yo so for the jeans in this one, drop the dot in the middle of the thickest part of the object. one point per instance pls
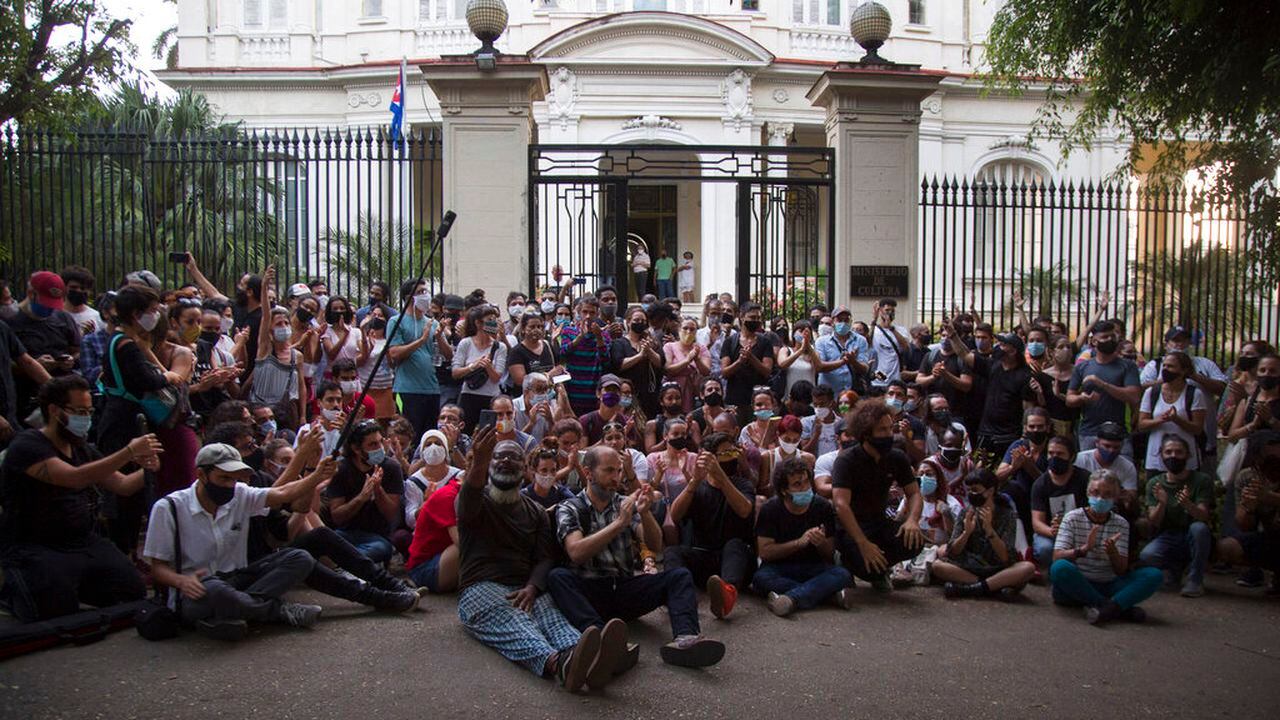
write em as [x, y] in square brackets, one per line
[884, 535]
[808, 584]
[587, 602]
[421, 411]
[427, 574]
[666, 289]
[41, 582]
[642, 283]
[252, 592]
[1042, 547]
[325, 542]
[372, 545]
[1175, 549]
[1071, 587]
[733, 563]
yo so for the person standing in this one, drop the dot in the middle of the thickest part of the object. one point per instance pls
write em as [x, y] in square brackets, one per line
[479, 362]
[47, 331]
[640, 264]
[416, 341]
[889, 345]
[584, 350]
[843, 355]
[1103, 386]
[746, 362]
[664, 273]
[685, 278]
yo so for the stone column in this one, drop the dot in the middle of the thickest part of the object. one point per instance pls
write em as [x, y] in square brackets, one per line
[487, 120]
[873, 118]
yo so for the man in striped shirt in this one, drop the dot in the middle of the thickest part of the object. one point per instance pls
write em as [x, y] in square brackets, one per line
[1091, 559]
[584, 349]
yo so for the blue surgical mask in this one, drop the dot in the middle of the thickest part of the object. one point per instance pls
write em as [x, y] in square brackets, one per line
[79, 425]
[627, 401]
[802, 499]
[928, 484]
[377, 456]
[1100, 506]
[40, 311]
[1107, 456]
[282, 334]
[764, 414]
[269, 426]
[1035, 349]
[550, 397]
[843, 328]
[894, 405]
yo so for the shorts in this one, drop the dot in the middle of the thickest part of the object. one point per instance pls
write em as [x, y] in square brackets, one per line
[427, 574]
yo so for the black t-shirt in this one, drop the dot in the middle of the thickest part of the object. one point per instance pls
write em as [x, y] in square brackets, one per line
[711, 522]
[1006, 389]
[869, 480]
[532, 361]
[1053, 499]
[347, 483]
[11, 349]
[266, 532]
[1057, 406]
[958, 401]
[645, 378]
[55, 335]
[39, 512]
[777, 522]
[738, 386]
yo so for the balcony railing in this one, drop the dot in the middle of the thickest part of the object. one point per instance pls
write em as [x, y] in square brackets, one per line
[264, 49]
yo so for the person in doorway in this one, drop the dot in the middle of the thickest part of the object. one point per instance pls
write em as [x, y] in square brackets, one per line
[664, 270]
[685, 278]
[640, 264]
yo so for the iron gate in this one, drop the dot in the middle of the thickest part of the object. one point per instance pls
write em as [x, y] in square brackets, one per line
[584, 221]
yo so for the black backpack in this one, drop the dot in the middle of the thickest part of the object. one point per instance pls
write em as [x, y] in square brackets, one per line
[1188, 399]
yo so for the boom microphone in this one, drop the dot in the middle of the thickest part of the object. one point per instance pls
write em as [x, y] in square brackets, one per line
[446, 224]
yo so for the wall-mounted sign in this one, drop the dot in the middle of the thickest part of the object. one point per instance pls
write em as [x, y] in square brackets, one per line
[877, 281]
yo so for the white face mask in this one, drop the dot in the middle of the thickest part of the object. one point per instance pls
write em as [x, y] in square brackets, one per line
[349, 387]
[822, 413]
[434, 454]
[503, 426]
[329, 415]
[548, 307]
[227, 325]
[149, 321]
[825, 330]
[788, 447]
[422, 302]
[544, 481]
[515, 311]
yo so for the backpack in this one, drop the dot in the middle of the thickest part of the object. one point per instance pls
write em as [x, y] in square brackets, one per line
[1188, 399]
[155, 620]
[162, 407]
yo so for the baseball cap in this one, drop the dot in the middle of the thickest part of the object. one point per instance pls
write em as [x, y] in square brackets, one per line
[1177, 331]
[50, 290]
[609, 379]
[1014, 340]
[840, 310]
[1111, 431]
[298, 290]
[222, 456]
[144, 277]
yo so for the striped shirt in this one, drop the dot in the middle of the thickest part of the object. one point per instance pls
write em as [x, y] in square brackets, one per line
[585, 363]
[1074, 533]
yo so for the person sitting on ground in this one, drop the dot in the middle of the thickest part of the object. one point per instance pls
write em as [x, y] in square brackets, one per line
[539, 405]
[544, 490]
[506, 548]
[1105, 455]
[597, 528]
[714, 512]
[938, 515]
[362, 502]
[432, 560]
[1062, 488]
[1091, 559]
[823, 465]
[504, 423]
[908, 432]
[348, 378]
[819, 429]
[433, 470]
[1256, 541]
[789, 431]
[218, 589]
[952, 458]
[52, 558]
[795, 535]
[1025, 461]
[1178, 502]
[980, 558]
[871, 543]
[609, 410]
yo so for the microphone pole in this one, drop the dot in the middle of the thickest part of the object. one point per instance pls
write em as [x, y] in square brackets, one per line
[446, 224]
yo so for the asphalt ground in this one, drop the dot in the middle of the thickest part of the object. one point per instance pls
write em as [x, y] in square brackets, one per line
[911, 654]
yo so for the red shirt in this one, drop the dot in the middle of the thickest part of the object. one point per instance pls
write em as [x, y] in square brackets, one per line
[431, 532]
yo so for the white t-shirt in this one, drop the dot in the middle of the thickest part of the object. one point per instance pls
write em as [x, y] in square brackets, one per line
[467, 353]
[887, 359]
[640, 262]
[1122, 466]
[87, 314]
[685, 274]
[825, 463]
[640, 464]
[827, 440]
[1154, 462]
[1206, 367]
[413, 495]
[349, 349]
[930, 521]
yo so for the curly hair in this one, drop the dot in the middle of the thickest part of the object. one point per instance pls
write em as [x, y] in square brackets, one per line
[865, 416]
[785, 470]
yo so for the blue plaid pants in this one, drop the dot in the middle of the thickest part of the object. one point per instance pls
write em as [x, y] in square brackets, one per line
[524, 638]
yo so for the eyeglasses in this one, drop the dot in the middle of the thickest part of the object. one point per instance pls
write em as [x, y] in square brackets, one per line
[82, 412]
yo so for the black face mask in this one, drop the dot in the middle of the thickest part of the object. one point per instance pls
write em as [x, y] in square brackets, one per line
[714, 399]
[977, 499]
[77, 297]
[672, 410]
[943, 417]
[332, 316]
[1269, 382]
[210, 337]
[680, 443]
[1108, 347]
[753, 325]
[1175, 465]
[1246, 363]
[304, 315]
[729, 467]
[639, 328]
[1037, 437]
[950, 456]
[374, 301]
[846, 444]
[377, 324]
[254, 459]
[1169, 376]
[218, 494]
[1059, 466]
[726, 319]
[881, 445]
[242, 298]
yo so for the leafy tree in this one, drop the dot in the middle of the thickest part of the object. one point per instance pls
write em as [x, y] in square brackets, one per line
[1051, 291]
[376, 249]
[1195, 81]
[165, 46]
[46, 79]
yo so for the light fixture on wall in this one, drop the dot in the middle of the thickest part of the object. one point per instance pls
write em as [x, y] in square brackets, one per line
[487, 20]
[870, 23]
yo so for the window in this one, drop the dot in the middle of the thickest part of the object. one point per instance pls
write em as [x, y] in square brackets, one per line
[650, 4]
[609, 6]
[816, 12]
[1007, 220]
[372, 8]
[833, 12]
[915, 12]
[266, 14]
[751, 5]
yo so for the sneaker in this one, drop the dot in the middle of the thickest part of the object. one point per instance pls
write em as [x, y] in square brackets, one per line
[1103, 614]
[1009, 594]
[613, 645]
[1192, 590]
[572, 666]
[224, 630]
[1134, 614]
[692, 651]
[629, 660]
[298, 614]
[722, 595]
[881, 584]
[844, 598]
[901, 579]
[1252, 578]
[780, 605]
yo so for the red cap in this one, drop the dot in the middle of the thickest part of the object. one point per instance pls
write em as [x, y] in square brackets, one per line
[50, 290]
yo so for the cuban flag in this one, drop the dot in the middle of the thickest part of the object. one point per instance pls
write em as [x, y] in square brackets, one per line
[397, 110]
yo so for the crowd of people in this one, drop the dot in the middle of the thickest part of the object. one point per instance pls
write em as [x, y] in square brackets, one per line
[566, 462]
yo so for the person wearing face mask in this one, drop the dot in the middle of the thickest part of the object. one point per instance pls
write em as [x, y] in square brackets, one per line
[1105, 455]
[953, 460]
[714, 512]
[338, 336]
[79, 284]
[362, 502]
[746, 361]
[14, 355]
[609, 409]
[909, 434]
[541, 485]
[1103, 387]
[418, 343]
[213, 576]
[638, 357]
[1203, 374]
[539, 405]
[1174, 406]
[673, 465]
[431, 470]
[348, 378]
[818, 431]
[843, 355]
[686, 362]
[871, 543]
[379, 294]
[47, 331]
[598, 529]
[432, 560]
[800, 358]
[795, 534]
[981, 559]
[948, 371]
[789, 431]
[888, 344]
[1260, 410]
[1061, 489]
[1010, 389]
[1054, 377]
[1024, 462]
[479, 362]
[1091, 559]
[373, 340]
[53, 476]
[712, 407]
[1243, 381]
[1178, 515]
[506, 548]
[1254, 540]
[533, 353]
[215, 378]
[937, 517]
[505, 424]
[670, 408]
[713, 333]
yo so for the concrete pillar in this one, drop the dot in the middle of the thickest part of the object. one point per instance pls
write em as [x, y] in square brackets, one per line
[487, 120]
[872, 122]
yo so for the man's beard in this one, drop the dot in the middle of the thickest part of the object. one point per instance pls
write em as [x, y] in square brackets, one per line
[504, 488]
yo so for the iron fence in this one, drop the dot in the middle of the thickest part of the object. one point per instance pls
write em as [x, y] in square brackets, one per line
[1161, 254]
[348, 207]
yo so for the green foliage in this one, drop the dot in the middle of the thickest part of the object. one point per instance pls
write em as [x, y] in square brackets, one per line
[800, 294]
[1050, 290]
[54, 57]
[377, 250]
[1194, 80]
